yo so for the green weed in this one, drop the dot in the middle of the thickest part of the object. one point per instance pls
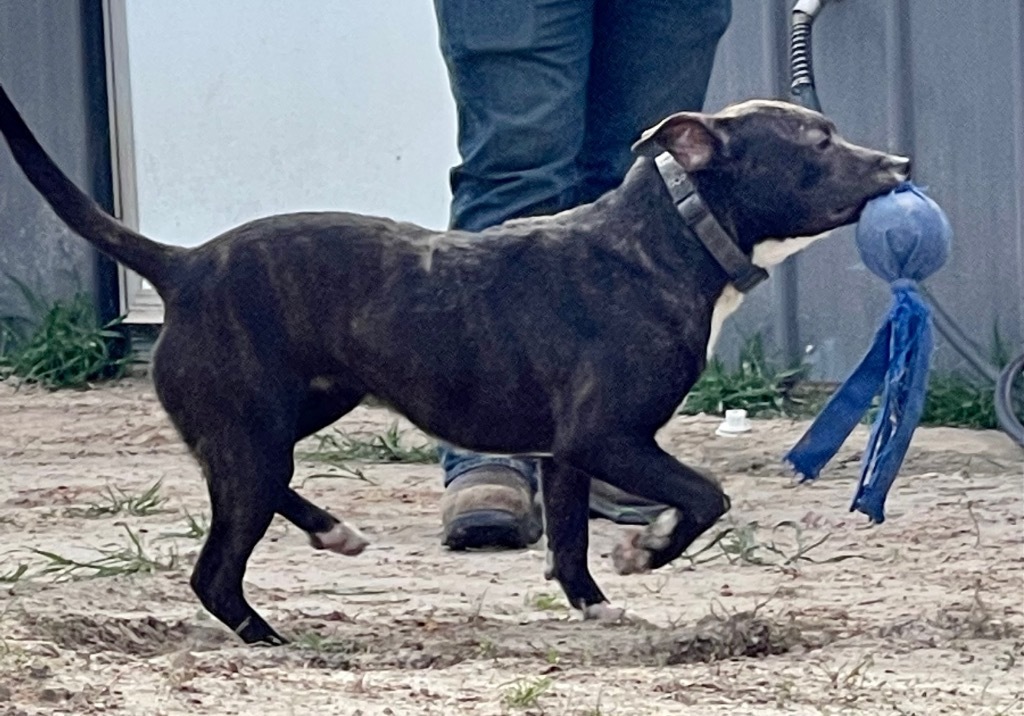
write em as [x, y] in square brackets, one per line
[130, 559]
[195, 528]
[755, 386]
[63, 346]
[117, 502]
[547, 602]
[340, 447]
[14, 575]
[745, 544]
[955, 401]
[524, 693]
[321, 644]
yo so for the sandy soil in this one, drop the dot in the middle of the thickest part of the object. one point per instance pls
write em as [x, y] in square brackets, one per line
[799, 608]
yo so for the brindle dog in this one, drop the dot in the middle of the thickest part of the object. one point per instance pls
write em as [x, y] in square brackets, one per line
[572, 337]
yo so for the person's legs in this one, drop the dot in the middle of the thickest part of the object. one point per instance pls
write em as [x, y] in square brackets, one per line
[518, 72]
[550, 95]
[650, 58]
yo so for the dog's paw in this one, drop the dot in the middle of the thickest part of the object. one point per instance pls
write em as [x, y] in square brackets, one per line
[630, 557]
[604, 612]
[341, 539]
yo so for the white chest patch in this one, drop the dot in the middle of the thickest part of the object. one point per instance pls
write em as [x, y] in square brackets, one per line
[768, 253]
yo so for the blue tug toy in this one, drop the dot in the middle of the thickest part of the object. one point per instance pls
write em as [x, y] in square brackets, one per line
[903, 237]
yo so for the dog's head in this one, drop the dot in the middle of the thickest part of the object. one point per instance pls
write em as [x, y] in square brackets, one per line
[774, 169]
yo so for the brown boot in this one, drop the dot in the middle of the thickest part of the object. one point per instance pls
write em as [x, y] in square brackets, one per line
[489, 506]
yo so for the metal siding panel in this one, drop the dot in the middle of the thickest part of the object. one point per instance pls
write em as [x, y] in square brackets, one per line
[965, 134]
[45, 68]
[747, 66]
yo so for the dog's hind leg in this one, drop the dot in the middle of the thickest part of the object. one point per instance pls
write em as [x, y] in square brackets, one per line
[245, 474]
[565, 493]
[325, 531]
[327, 399]
[639, 466]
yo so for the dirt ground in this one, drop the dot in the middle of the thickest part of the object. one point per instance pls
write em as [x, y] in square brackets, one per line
[798, 608]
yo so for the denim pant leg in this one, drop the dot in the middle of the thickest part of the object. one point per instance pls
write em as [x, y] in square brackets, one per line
[518, 72]
[651, 58]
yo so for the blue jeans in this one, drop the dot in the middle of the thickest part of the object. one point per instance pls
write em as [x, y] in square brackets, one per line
[550, 94]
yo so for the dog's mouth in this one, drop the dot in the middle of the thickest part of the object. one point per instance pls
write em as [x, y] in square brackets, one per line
[847, 214]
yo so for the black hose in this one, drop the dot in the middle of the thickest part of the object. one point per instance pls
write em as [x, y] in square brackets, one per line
[955, 336]
[800, 63]
[1005, 403]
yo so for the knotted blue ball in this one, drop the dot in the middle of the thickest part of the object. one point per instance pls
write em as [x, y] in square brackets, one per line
[903, 235]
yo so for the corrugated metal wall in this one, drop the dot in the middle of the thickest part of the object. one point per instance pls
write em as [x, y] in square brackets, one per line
[52, 65]
[941, 80]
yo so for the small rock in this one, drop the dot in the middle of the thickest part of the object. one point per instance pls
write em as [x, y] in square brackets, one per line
[39, 672]
[54, 695]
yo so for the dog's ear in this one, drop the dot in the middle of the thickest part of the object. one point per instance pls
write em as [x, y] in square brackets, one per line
[691, 138]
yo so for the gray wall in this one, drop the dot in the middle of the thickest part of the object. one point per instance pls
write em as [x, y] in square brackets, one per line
[52, 65]
[941, 80]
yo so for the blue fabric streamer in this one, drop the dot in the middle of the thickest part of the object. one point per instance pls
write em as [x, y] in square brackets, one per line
[903, 237]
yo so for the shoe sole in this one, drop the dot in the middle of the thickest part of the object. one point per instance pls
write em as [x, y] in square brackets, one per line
[480, 529]
[638, 515]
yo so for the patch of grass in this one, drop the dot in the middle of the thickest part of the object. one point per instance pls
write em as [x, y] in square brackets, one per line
[955, 401]
[117, 502]
[755, 386]
[195, 528]
[321, 644]
[340, 447]
[524, 693]
[545, 601]
[64, 346]
[129, 559]
[762, 389]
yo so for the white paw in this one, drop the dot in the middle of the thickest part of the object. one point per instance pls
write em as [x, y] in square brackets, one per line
[341, 539]
[604, 612]
[629, 557]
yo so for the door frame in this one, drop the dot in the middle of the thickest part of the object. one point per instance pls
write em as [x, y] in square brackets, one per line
[139, 302]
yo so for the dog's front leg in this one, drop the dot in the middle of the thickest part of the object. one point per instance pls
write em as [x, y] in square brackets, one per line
[565, 492]
[639, 466]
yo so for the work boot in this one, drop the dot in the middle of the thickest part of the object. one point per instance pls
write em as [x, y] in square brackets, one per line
[489, 506]
[620, 506]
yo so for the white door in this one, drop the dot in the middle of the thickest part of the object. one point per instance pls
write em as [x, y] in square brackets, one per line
[231, 110]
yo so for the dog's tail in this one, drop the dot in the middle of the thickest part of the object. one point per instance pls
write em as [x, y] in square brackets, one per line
[152, 260]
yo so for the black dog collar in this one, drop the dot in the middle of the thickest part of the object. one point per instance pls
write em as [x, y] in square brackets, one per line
[743, 273]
